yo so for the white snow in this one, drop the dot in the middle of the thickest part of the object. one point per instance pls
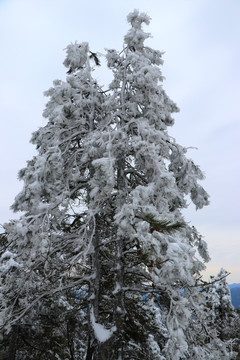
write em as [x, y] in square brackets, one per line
[117, 288]
[101, 333]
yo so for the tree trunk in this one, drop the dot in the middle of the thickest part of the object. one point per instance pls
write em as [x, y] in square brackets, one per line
[13, 342]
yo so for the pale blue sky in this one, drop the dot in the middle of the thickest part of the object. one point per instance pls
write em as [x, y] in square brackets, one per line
[201, 42]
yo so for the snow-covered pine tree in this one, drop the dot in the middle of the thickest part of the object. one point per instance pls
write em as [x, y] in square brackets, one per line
[55, 231]
[218, 299]
[221, 316]
[102, 238]
[213, 326]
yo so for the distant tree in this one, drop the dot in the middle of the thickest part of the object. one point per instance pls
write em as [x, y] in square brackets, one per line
[218, 299]
[102, 243]
[220, 313]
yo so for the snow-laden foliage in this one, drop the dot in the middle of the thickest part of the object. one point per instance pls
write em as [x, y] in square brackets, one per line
[220, 312]
[101, 239]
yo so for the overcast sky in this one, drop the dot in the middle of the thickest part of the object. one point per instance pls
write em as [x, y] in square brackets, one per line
[201, 40]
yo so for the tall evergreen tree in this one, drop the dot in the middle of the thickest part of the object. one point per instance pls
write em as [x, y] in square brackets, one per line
[218, 298]
[221, 315]
[102, 240]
